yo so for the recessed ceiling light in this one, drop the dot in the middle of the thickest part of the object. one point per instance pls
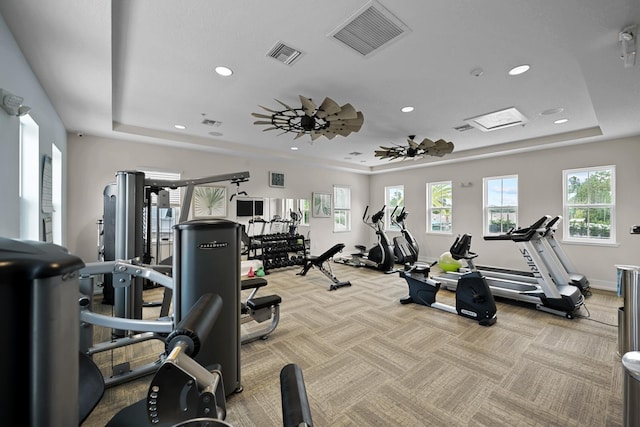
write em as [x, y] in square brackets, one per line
[294, 148]
[224, 71]
[561, 121]
[407, 109]
[181, 127]
[519, 70]
[551, 111]
[477, 72]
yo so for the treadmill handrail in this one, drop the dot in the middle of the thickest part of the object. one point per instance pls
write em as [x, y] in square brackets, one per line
[521, 234]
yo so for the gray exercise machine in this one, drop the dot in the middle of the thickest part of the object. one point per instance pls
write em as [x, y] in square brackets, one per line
[206, 259]
[380, 256]
[547, 288]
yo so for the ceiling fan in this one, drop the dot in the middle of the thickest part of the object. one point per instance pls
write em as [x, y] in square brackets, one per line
[416, 150]
[328, 120]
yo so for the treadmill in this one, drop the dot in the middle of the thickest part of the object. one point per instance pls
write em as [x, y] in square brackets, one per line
[555, 258]
[545, 286]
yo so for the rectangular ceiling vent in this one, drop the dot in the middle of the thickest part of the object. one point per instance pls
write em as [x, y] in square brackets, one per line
[283, 53]
[498, 120]
[463, 128]
[370, 28]
[209, 122]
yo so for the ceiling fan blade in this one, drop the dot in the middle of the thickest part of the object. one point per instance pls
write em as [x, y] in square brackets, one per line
[299, 134]
[426, 143]
[261, 116]
[412, 143]
[262, 122]
[327, 108]
[268, 109]
[315, 135]
[308, 106]
[342, 131]
[270, 128]
[285, 105]
[346, 112]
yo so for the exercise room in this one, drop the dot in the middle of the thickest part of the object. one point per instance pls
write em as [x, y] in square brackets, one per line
[309, 214]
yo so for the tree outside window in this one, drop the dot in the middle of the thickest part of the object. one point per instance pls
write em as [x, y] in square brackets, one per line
[500, 204]
[439, 207]
[589, 204]
[393, 197]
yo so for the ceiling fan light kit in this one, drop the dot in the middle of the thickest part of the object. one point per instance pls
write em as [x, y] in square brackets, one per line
[328, 120]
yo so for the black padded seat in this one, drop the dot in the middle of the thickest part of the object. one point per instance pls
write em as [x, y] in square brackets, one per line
[264, 302]
[253, 283]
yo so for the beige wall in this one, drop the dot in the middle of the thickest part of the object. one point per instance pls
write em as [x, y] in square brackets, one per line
[94, 162]
[540, 193]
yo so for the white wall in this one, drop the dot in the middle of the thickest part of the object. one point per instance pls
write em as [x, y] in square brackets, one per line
[540, 193]
[94, 162]
[16, 77]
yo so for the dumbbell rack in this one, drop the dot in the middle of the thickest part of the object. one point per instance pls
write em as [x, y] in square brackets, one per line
[278, 250]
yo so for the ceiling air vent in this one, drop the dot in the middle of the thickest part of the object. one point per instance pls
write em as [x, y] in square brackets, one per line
[210, 122]
[285, 54]
[370, 28]
[463, 128]
[498, 120]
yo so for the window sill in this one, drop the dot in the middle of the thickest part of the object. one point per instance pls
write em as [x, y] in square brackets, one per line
[590, 243]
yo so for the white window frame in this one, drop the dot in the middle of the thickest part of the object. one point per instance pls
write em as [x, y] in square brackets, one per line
[566, 206]
[341, 208]
[390, 206]
[486, 227]
[431, 208]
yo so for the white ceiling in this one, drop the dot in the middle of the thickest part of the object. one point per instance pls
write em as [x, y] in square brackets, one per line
[132, 69]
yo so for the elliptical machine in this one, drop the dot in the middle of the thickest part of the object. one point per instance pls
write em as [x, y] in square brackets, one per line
[405, 246]
[473, 295]
[379, 256]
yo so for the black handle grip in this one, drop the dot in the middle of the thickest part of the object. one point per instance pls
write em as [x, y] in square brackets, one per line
[295, 406]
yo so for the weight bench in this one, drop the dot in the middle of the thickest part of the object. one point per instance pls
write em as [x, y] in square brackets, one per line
[259, 309]
[320, 261]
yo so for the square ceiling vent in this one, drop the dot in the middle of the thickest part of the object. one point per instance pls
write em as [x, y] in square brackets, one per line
[498, 120]
[283, 53]
[369, 29]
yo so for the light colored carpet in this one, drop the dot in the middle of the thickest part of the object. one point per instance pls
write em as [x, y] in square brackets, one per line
[368, 360]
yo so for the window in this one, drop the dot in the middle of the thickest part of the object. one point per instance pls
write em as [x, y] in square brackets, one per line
[500, 204]
[439, 207]
[304, 206]
[56, 193]
[341, 208]
[589, 204]
[393, 197]
[163, 219]
[29, 186]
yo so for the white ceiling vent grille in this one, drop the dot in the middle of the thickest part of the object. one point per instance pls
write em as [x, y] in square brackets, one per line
[283, 53]
[370, 28]
[463, 128]
[209, 122]
[498, 120]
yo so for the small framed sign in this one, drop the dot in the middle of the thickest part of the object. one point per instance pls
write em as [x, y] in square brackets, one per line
[276, 179]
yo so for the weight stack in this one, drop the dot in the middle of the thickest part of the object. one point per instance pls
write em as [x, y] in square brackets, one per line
[208, 261]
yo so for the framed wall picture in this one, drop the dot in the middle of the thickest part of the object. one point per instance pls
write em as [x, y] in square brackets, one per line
[321, 205]
[209, 201]
[276, 179]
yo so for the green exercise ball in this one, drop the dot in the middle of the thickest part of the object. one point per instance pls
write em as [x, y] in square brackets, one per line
[447, 263]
